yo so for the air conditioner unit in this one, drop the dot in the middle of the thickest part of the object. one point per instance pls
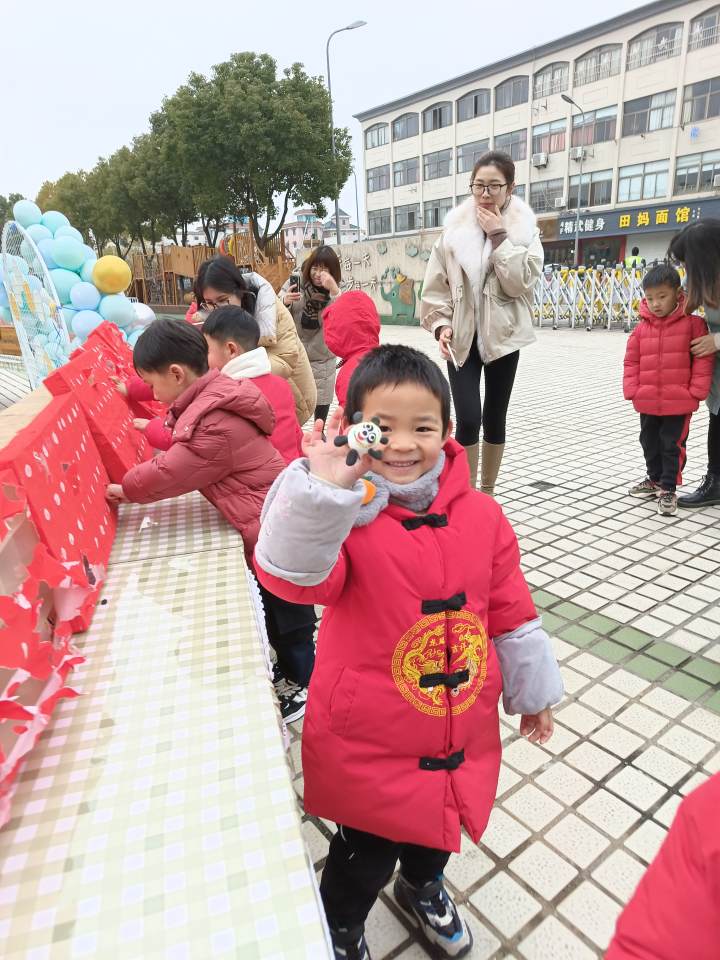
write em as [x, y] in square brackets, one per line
[539, 159]
[577, 153]
[559, 203]
[716, 181]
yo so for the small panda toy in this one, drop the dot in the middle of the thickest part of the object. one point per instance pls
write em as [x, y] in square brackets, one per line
[364, 436]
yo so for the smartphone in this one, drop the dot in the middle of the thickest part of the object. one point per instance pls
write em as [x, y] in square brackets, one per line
[294, 284]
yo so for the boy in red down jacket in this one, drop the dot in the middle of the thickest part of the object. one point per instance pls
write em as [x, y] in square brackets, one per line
[221, 447]
[232, 336]
[351, 328]
[665, 383]
[427, 620]
[675, 912]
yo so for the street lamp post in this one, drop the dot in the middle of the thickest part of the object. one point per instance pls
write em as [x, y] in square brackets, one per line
[572, 103]
[351, 26]
[357, 207]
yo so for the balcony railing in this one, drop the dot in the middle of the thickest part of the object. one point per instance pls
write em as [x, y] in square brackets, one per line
[660, 51]
[598, 71]
[705, 37]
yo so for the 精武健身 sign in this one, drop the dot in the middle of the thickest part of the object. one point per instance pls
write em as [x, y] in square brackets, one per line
[648, 219]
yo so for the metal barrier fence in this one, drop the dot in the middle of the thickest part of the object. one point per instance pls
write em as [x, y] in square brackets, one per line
[595, 297]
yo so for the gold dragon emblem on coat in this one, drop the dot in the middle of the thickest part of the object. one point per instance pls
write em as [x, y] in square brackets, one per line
[442, 643]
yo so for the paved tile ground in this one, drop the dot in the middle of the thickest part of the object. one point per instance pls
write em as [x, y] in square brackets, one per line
[632, 601]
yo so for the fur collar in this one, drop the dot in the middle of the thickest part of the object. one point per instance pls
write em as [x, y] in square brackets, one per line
[463, 236]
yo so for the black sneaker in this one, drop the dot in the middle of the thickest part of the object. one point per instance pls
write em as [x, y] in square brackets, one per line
[277, 675]
[433, 910]
[350, 944]
[293, 699]
[706, 495]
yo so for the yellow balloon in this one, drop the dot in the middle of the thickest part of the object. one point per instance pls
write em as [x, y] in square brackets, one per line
[111, 275]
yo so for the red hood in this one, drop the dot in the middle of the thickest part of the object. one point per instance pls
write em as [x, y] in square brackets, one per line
[351, 325]
[678, 312]
[215, 391]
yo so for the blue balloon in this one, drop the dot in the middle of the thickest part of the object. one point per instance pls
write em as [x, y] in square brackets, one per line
[85, 296]
[23, 266]
[35, 283]
[87, 271]
[84, 322]
[89, 253]
[68, 314]
[68, 231]
[132, 338]
[5, 315]
[26, 213]
[54, 219]
[118, 309]
[68, 252]
[64, 281]
[4, 302]
[45, 247]
[37, 232]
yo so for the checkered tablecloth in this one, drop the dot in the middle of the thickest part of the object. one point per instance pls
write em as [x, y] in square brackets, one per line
[156, 816]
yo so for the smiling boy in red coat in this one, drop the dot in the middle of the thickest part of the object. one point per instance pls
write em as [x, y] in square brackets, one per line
[427, 620]
[665, 383]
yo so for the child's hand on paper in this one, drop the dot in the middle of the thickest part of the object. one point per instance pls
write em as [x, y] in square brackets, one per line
[140, 424]
[120, 386]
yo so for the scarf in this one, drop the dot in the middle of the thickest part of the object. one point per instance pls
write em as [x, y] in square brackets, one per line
[416, 496]
[316, 299]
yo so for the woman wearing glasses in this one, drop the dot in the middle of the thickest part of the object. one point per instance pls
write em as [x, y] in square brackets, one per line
[477, 300]
[219, 282]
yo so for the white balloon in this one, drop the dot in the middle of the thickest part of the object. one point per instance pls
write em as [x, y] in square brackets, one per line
[144, 314]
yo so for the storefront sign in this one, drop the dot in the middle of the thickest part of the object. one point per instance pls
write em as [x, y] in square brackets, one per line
[665, 216]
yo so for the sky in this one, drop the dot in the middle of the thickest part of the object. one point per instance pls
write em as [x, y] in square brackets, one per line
[88, 75]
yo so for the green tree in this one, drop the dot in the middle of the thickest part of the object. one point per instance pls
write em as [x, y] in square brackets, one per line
[6, 207]
[159, 189]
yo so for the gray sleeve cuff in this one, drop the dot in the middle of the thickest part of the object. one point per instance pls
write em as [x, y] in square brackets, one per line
[530, 673]
[305, 521]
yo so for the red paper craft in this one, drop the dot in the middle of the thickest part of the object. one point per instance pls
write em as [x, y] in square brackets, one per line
[88, 376]
[33, 665]
[119, 352]
[57, 465]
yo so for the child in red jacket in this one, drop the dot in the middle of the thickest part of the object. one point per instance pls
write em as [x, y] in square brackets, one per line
[232, 336]
[351, 328]
[665, 383]
[427, 620]
[220, 446]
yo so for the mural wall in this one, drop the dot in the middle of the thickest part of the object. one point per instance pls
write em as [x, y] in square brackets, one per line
[390, 271]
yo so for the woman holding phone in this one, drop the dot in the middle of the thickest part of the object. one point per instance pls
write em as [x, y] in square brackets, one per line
[477, 301]
[306, 296]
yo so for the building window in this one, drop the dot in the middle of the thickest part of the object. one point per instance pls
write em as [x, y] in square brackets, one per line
[544, 194]
[594, 126]
[549, 137]
[598, 64]
[408, 125]
[512, 92]
[596, 189]
[695, 173]
[519, 190]
[379, 221]
[705, 30]
[514, 143]
[406, 171]
[407, 217]
[643, 181]
[701, 100]
[461, 196]
[469, 153]
[551, 79]
[658, 43]
[474, 104]
[435, 212]
[438, 116]
[378, 178]
[376, 136]
[438, 164]
[649, 113]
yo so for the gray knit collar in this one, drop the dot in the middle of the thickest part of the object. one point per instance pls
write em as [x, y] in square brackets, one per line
[416, 496]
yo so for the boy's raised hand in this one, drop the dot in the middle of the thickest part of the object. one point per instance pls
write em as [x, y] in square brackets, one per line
[328, 461]
[537, 727]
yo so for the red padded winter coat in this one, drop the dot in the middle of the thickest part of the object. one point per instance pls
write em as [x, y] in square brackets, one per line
[675, 912]
[402, 594]
[351, 327]
[221, 448]
[661, 376]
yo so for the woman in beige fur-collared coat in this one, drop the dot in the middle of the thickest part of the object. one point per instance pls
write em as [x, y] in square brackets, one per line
[477, 301]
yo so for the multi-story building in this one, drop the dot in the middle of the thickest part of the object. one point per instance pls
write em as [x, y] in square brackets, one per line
[305, 230]
[639, 150]
[348, 230]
